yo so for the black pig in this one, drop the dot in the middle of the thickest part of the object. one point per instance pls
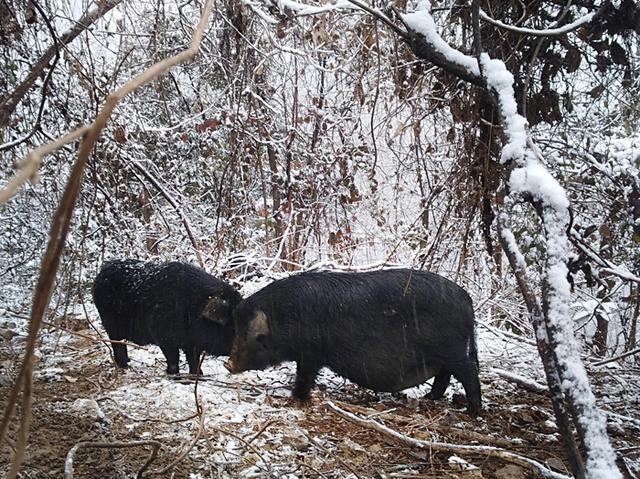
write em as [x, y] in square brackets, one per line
[174, 305]
[385, 330]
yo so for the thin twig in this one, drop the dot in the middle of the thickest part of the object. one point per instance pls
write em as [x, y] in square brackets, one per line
[186, 450]
[550, 32]
[525, 383]
[45, 84]
[30, 165]
[200, 414]
[64, 211]
[246, 443]
[68, 463]
[176, 206]
[380, 16]
[262, 429]
[316, 443]
[94, 339]
[9, 103]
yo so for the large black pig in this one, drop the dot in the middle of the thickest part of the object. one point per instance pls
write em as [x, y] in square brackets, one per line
[174, 305]
[385, 330]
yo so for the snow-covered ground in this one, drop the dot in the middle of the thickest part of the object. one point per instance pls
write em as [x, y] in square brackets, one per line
[249, 426]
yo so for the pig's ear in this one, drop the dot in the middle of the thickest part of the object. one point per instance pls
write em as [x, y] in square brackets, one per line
[217, 310]
[259, 325]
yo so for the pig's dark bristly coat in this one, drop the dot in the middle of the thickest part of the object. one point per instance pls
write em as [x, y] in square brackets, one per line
[174, 305]
[386, 330]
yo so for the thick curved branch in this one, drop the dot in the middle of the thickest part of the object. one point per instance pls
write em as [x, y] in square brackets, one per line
[29, 166]
[550, 32]
[64, 213]
[427, 44]
[498, 452]
[9, 103]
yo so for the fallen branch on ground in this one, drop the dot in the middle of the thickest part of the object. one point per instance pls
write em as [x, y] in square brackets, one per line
[68, 463]
[316, 442]
[200, 414]
[62, 219]
[397, 437]
[143, 419]
[524, 383]
[621, 417]
[616, 358]
[186, 450]
[262, 429]
[248, 445]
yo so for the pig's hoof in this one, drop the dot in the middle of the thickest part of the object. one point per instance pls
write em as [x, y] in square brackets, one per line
[473, 411]
[301, 396]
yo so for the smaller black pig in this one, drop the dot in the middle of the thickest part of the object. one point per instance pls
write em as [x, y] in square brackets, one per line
[385, 330]
[174, 305]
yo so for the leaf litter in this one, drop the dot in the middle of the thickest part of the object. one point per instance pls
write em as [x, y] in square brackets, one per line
[250, 427]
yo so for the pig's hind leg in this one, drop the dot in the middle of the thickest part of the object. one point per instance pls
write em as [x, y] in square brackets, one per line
[193, 359]
[467, 373]
[120, 354]
[172, 354]
[440, 384]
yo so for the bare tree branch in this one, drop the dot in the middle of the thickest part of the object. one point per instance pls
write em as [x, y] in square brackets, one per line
[10, 102]
[45, 84]
[616, 358]
[550, 32]
[607, 266]
[556, 344]
[176, 206]
[64, 212]
[29, 166]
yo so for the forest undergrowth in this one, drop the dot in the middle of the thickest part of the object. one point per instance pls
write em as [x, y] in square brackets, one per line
[248, 426]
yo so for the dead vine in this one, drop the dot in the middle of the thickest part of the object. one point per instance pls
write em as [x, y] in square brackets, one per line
[68, 463]
[60, 226]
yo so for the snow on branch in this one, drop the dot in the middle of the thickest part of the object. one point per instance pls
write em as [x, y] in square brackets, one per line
[606, 265]
[548, 32]
[617, 358]
[525, 383]
[426, 43]
[30, 165]
[297, 9]
[530, 180]
[301, 9]
[60, 228]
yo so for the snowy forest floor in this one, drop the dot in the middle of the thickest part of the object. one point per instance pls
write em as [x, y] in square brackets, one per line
[249, 427]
